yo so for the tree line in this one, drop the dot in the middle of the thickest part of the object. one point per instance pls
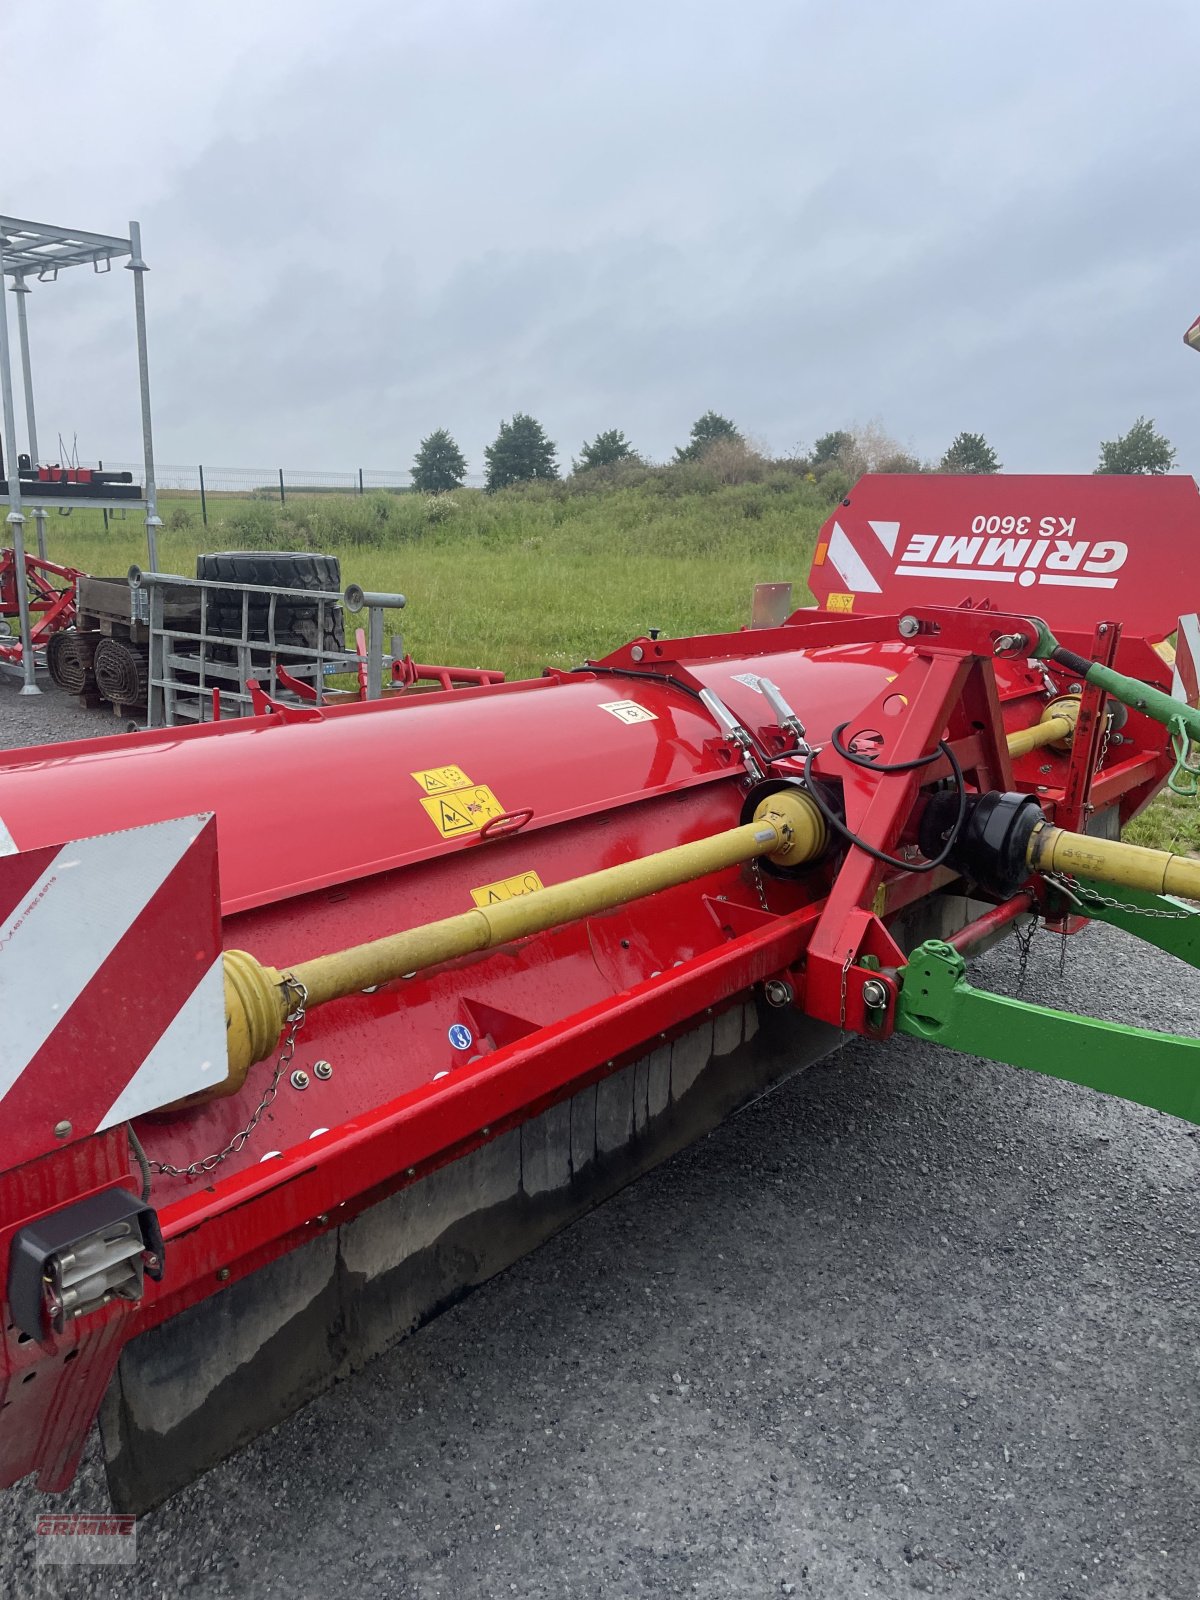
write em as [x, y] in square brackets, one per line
[523, 453]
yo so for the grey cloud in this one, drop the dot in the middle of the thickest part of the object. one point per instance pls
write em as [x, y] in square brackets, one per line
[943, 216]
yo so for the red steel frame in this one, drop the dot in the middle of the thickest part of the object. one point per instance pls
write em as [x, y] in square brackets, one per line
[51, 608]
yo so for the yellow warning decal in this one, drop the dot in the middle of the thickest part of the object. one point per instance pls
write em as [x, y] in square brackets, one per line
[821, 552]
[441, 780]
[839, 602]
[491, 894]
[464, 811]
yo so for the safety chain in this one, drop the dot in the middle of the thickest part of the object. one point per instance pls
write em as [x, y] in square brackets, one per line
[761, 888]
[1024, 937]
[846, 965]
[1105, 736]
[1080, 893]
[295, 1021]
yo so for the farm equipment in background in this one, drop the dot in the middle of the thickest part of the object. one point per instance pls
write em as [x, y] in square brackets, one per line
[50, 589]
[462, 964]
[251, 632]
[70, 482]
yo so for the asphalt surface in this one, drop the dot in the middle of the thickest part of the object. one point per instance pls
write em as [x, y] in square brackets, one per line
[915, 1323]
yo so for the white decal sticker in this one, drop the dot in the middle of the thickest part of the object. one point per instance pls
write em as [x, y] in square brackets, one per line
[750, 680]
[628, 711]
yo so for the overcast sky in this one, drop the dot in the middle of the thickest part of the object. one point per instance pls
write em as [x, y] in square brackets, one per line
[370, 219]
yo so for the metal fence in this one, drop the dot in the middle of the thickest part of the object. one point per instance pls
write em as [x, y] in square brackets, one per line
[270, 483]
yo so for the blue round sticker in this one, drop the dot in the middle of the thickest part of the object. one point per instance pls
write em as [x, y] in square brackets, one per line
[461, 1036]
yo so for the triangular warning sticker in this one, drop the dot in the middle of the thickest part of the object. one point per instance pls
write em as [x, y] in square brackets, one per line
[442, 780]
[451, 819]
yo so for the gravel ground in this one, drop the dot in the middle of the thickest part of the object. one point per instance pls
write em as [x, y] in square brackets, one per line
[914, 1323]
[49, 716]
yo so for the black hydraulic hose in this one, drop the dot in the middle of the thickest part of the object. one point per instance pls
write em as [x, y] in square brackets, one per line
[836, 823]
[675, 683]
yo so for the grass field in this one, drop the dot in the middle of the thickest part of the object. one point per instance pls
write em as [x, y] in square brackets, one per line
[517, 581]
[543, 577]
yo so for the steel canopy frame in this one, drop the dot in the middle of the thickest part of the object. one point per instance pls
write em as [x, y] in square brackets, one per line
[41, 251]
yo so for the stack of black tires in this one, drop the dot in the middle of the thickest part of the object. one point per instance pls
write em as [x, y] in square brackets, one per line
[297, 622]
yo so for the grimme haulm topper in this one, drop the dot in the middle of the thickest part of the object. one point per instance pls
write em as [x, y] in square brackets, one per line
[310, 1022]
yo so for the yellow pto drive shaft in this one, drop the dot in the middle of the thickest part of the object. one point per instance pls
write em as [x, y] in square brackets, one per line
[1057, 727]
[787, 828]
[1079, 855]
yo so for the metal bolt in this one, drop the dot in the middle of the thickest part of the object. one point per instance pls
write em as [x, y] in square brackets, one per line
[1074, 688]
[909, 627]
[321, 1219]
[1008, 641]
[411, 1173]
[777, 993]
[637, 652]
[874, 994]
[299, 1079]
[222, 1274]
[62, 1130]
[322, 1070]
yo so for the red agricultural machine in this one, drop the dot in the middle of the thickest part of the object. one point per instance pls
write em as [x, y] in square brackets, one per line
[314, 1020]
[50, 590]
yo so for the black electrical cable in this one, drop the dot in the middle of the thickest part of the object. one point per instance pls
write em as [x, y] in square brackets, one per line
[831, 816]
[844, 750]
[139, 1153]
[674, 683]
[836, 823]
[652, 677]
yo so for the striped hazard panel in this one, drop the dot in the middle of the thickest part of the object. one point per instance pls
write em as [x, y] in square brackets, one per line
[111, 987]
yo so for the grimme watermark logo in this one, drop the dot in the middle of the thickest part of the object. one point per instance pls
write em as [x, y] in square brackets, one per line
[99, 1538]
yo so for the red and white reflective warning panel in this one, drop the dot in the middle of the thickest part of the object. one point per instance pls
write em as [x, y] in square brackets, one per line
[1072, 550]
[111, 986]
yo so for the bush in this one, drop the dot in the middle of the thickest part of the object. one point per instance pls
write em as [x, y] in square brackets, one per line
[180, 519]
[732, 460]
[836, 484]
[440, 508]
[254, 525]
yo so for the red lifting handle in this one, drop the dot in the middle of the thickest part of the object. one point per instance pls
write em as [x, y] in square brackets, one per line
[507, 822]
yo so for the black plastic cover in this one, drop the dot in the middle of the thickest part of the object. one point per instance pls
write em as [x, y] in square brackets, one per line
[992, 844]
[36, 1243]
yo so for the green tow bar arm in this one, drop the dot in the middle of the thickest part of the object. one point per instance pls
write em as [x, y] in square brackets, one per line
[1180, 720]
[1161, 1070]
